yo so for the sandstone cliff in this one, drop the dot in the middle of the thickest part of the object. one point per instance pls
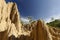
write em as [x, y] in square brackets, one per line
[11, 27]
[10, 23]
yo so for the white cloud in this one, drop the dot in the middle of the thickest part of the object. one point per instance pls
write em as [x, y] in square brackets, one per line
[54, 16]
[24, 20]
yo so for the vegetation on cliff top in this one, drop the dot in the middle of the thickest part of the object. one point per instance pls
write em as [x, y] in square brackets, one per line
[55, 23]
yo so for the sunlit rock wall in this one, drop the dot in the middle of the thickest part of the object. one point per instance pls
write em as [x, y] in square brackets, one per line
[11, 27]
[9, 20]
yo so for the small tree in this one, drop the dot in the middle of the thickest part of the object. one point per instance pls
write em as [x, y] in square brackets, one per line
[30, 18]
[52, 18]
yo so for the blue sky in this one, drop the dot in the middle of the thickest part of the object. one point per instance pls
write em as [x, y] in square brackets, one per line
[39, 9]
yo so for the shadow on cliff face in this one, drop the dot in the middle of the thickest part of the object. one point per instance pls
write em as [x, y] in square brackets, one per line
[12, 38]
[22, 37]
[4, 35]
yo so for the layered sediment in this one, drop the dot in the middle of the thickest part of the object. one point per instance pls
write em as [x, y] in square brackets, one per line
[11, 27]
